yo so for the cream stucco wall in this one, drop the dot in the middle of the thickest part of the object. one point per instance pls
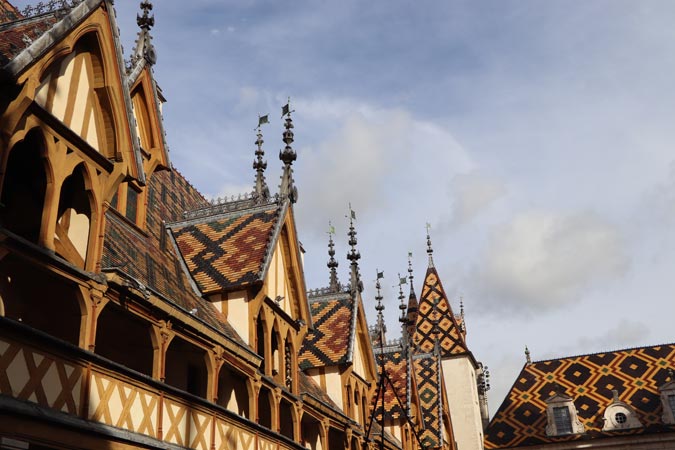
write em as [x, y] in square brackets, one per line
[462, 393]
[334, 385]
[277, 283]
[359, 365]
[66, 93]
[238, 314]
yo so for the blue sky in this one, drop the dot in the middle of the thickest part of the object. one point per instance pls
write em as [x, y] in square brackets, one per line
[536, 138]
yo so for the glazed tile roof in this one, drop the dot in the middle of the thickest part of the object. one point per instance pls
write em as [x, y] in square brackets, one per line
[227, 251]
[16, 35]
[450, 337]
[395, 366]
[427, 368]
[331, 339]
[152, 261]
[589, 380]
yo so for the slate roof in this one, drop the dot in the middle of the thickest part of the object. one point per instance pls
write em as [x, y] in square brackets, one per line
[329, 342]
[227, 251]
[589, 380]
[451, 339]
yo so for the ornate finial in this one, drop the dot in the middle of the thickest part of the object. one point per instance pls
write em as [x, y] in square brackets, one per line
[145, 22]
[261, 191]
[380, 307]
[402, 306]
[430, 250]
[527, 356]
[671, 375]
[412, 300]
[332, 263]
[353, 255]
[287, 156]
[144, 48]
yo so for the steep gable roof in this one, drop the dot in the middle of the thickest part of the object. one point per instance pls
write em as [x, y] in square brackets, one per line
[17, 34]
[231, 250]
[434, 307]
[329, 342]
[395, 366]
[589, 380]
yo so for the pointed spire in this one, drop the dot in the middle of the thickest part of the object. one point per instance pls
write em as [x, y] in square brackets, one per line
[412, 300]
[334, 284]
[353, 256]
[381, 328]
[528, 360]
[144, 48]
[461, 315]
[287, 156]
[261, 191]
[430, 250]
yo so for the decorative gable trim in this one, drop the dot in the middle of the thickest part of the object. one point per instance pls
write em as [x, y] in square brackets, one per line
[562, 416]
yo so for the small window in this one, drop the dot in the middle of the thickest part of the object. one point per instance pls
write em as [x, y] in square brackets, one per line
[671, 402]
[132, 204]
[563, 420]
[620, 418]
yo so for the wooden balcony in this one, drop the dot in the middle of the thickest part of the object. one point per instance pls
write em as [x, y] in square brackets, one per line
[44, 380]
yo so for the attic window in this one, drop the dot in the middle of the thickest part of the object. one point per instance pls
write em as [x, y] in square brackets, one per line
[563, 420]
[620, 416]
[668, 400]
[562, 416]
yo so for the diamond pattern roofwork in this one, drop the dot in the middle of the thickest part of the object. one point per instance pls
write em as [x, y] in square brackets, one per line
[329, 342]
[434, 308]
[228, 251]
[427, 368]
[395, 366]
[589, 380]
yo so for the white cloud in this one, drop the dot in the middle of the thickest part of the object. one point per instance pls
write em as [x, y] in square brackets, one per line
[473, 193]
[543, 260]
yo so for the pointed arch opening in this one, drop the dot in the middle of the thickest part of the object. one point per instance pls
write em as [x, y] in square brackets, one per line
[233, 391]
[186, 367]
[71, 239]
[133, 348]
[265, 407]
[311, 430]
[39, 299]
[260, 343]
[24, 187]
[286, 419]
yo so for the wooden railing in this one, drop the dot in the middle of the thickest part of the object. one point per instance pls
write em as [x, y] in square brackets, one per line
[55, 375]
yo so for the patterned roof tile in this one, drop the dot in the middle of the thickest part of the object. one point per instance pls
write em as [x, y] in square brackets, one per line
[228, 251]
[589, 380]
[435, 307]
[16, 36]
[396, 367]
[428, 379]
[329, 342]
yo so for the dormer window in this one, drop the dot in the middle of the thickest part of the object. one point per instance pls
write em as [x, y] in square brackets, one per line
[563, 420]
[562, 416]
[620, 416]
[668, 399]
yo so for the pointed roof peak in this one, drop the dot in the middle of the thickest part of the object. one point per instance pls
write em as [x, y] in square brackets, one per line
[334, 284]
[353, 255]
[261, 192]
[287, 156]
[430, 250]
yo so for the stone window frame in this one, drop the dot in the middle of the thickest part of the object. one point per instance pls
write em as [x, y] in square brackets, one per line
[666, 391]
[619, 415]
[562, 401]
